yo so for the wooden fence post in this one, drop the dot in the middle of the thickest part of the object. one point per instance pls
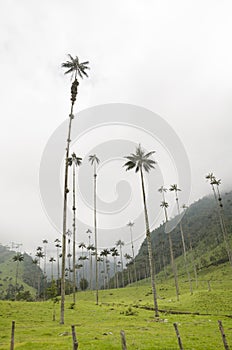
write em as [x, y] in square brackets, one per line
[123, 340]
[178, 336]
[75, 342]
[12, 335]
[226, 346]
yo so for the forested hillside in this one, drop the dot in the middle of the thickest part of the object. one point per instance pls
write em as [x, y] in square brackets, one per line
[201, 228]
[18, 274]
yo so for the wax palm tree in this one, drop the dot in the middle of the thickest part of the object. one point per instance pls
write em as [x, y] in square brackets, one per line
[58, 246]
[94, 161]
[140, 161]
[174, 188]
[39, 255]
[52, 260]
[191, 250]
[18, 258]
[129, 260]
[130, 225]
[104, 253]
[164, 205]
[76, 68]
[120, 244]
[82, 246]
[219, 205]
[91, 249]
[115, 253]
[45, 242]
[69, 255]
[35, 262]
[74, 161]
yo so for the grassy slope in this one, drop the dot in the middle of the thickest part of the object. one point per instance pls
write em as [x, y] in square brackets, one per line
[98, 327]
[8, 272]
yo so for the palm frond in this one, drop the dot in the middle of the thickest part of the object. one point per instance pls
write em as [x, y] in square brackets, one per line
[130, 165]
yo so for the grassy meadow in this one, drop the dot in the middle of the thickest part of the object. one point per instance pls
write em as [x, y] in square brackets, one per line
[128, 309]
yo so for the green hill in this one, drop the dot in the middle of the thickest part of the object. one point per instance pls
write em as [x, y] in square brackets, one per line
[27, 278]
[200, 226]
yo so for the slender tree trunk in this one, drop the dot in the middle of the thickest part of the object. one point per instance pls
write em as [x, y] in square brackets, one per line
[71, 116]
[193, 263]
[174, 268]
[74, 235]
[184, 248]
[115, 277]
[45, 271]
[149, 247]
[123, 284]
[133, 254]
[95, 230]
[16, 278]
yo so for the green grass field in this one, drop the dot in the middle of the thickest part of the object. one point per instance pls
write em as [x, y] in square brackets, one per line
[98, 327]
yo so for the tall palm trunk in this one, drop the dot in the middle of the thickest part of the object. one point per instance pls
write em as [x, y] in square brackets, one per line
[174, 268]
[45, 271]
[95, 230]
[74, 235]
[71, 116]
[123, 283]
[133, 254]
[149, 246]
[194, 265]
[16, 278]
[184, 248]
[222, 225]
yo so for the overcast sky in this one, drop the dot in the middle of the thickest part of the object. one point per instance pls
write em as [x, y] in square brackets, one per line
[170, 57]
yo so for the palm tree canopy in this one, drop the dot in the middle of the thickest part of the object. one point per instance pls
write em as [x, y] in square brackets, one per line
[119, 243]
[130, 224]
[140, 160]
[74, 160]
[75, 67]
[94, 159]
[18, 257]
[214, 181]
[127, 256]
[105, 252]
[174, 188]
[40, 254]
[162, 189]
[82, 245]
[164, 204]
[210, 176]
[115, 253]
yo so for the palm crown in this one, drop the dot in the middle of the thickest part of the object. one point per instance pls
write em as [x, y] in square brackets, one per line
[162, 189]
[130, 224]
[94, 159]
[76, 67]
[140, 160]
[174, 188]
